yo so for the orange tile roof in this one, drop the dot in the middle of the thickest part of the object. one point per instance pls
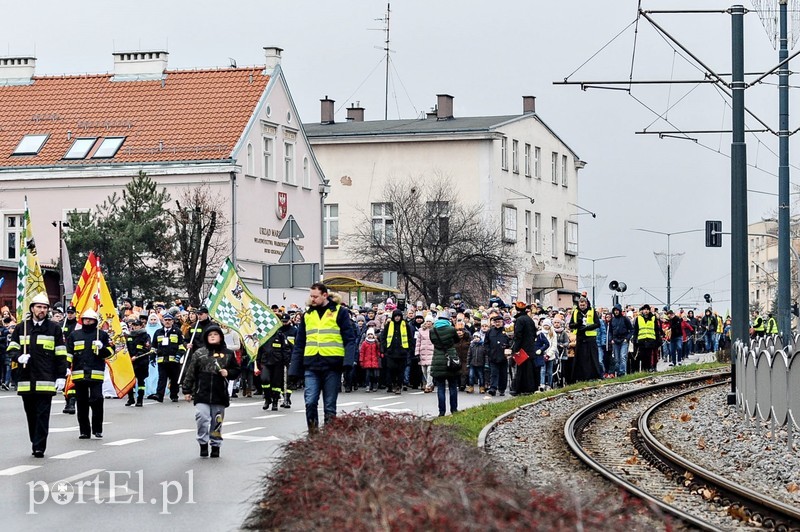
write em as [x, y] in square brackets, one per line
[197, 115]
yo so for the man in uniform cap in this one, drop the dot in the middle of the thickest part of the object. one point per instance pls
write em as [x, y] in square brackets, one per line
[37, 346]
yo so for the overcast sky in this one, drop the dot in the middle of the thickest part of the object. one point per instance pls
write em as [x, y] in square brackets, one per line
[487, 55]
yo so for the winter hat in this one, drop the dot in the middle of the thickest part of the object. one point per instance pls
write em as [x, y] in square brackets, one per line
[361, 317]
[429, 318]
[547, 322]
[476, 335]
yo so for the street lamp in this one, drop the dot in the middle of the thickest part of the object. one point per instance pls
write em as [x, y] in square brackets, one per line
[669, 256]
[61, 225]
[594, 303]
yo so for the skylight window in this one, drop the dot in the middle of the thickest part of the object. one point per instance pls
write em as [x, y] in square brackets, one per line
[108, 148]
[80, 148]
[30, 145]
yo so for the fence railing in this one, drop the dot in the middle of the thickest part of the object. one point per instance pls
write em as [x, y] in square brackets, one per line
[768, 381]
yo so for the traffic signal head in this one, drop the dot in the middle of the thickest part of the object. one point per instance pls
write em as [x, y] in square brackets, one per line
[713, 233]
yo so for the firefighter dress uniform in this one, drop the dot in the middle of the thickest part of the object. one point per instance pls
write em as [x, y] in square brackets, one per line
[70, 324]
[169, 346]
[89, 348]
[273, 358]
[138, 343]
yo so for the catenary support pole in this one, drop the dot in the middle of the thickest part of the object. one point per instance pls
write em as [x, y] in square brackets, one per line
[784, 233]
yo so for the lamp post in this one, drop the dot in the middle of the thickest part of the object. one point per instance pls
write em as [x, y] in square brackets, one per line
[61, 225]
[669, 256]
[594, 303]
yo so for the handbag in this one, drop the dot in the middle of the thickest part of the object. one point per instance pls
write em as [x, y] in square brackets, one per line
[453, 362]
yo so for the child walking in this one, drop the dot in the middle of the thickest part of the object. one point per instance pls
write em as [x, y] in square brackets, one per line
[206, 382]
[369, 358]
[476, 357]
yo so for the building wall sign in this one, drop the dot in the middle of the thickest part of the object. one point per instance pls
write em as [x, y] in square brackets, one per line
[269, 238]
[282, 205]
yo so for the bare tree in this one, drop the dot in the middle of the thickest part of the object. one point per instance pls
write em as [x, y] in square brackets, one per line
[200, 246]
[434, 242]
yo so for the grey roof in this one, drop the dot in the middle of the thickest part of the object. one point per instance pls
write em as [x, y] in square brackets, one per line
[430, 126]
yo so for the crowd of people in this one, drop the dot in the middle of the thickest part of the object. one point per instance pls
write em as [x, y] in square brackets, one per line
[327, 347]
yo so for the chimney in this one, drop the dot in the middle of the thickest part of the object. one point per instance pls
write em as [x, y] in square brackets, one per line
[327, 110]
[139, 66]
[528, 104]
[444, 107]
[355, 114]
[17, 70]
[273, 57]
[430, 115]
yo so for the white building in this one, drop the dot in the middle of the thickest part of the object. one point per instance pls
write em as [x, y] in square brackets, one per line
[514, 166]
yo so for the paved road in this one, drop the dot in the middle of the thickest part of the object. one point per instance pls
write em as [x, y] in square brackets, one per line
[148, 463]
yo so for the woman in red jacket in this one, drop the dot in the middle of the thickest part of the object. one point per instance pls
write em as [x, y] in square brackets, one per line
[369, 358]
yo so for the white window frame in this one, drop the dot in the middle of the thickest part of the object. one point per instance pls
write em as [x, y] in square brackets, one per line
[504, 153]
[564, 173]
[16, 230]
[288, 163]
[554, 236]
[554, 168]
[527, 231]
[306, 172]
[31, 144]
[537, 162]
[108, 148]
[382, 223]
[527, 160]
[330, 226]
[509, 224]
[537, 233]
[80, 148]
[571, 238]
[249, 161]
[515, 156]
[268, 157]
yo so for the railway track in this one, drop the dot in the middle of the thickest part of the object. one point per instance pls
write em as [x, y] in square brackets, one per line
[612, 436]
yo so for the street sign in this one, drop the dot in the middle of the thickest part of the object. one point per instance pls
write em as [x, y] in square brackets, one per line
[290, 275]
[291, 254]
[290, 229]
[713, 233]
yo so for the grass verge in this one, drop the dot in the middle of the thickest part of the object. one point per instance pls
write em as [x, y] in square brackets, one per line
[468, 423]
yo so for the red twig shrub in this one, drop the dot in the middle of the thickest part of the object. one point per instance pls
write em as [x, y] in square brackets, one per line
[388, 472]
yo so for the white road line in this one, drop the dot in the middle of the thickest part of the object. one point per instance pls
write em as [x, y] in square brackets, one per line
[389, 404]
[174, 432]
[395, 410]
[229, 423]
[249, 439]
[63, 429]
[350, 403]
[270, 416]
[16, 470]
[416, 393]
[124, 442]
[240, 405]
[71, 454]
[384, 398]
[85, 474]
[243, 431]
[9, 397]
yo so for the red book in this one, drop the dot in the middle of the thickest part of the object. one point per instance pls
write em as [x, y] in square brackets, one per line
[520, 357]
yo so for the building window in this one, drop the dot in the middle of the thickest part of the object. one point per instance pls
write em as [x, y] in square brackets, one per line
[537, 233]
[269, 158]
[564, 172]
[537, 162]
[108, 148]
[80, 148]
[515, 156]
[527, 231]
[527, 160]
[12, 228]
[504, 153]
[330, 226]
[288, 163]
[250, 170]
[509, 224]
[554, 168]
[438, 217]
[571, 239]
[554, 236]
[382, 223]
[30, 145]
[306, 173]
[76, 217]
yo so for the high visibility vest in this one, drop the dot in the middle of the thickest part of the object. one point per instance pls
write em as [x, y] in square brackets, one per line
[323, 336]
[720, 325]
[403, 335]
[647, 328]
[589, 319]
[772, 326]
[758, 325]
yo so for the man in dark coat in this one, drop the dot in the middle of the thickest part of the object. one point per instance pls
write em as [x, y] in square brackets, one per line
[397, 340]
[586, 365]
[526, 379]
[497, 343]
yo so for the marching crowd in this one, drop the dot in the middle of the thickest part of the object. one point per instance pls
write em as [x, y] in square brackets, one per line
[328, 347]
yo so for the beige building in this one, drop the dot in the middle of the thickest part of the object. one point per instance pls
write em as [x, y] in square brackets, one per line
[763, 262]
[68, 142]
[522, 174]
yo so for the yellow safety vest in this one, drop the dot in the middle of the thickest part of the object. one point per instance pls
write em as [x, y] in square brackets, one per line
[403, 335]
[720, 324]
[772, 326]
[760, 326]
[323, 336]
[589, 319]
[647, 329]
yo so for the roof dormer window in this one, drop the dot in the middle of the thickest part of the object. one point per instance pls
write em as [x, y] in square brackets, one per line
[108, 148]
[80, 148]
[30, 145]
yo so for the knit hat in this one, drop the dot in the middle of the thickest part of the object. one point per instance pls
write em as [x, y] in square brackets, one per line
[476, 334]
[547, 322]
[429, 318]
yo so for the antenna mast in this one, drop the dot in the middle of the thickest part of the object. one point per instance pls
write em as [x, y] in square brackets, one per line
[385, 21]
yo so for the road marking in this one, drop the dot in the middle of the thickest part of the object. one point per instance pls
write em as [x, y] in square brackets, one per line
[384, 398]
[229, 423]
[9, 397]
[124, 442]
[88, 473]
[243, 431]
[71, 454]
[389, 404]
[240, 405]
[270, 416]
[396, 410]
[417, 393]
[16, 470]
[249, 439]
[63, 429]
[174, 432]
[350, 403]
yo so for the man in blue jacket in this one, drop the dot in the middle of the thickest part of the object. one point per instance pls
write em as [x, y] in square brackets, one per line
[619, 334]
[324, 347]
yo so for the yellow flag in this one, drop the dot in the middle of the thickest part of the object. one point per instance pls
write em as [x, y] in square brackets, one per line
[30, 281]
[119, 365]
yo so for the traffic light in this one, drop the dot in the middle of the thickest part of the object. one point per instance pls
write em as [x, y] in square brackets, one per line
[713, 233]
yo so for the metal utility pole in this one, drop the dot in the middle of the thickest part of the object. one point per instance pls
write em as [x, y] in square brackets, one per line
[386, 49]
[669, 256]
[784, 231]
[594, 299]
[739, 271]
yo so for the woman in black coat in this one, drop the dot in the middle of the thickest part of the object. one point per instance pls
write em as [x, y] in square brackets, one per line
[526, 379]
[444, 338]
